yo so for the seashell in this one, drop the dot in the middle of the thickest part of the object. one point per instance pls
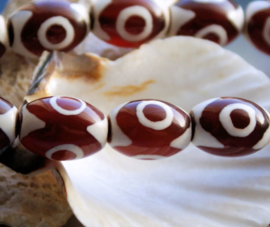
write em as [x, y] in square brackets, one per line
[191, 188]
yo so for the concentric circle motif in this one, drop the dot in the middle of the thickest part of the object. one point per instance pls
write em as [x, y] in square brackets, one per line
[61, 110]
[258, 24]
[149, 129]
[230, 126]
[156, 125]
[63, 128]
[130, 23]
[125, 15]
[77, 151]
[220, 21]
[217, 31]
[226, 120]
[53, 21]
[47, 25]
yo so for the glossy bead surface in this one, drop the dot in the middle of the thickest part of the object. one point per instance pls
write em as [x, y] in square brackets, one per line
[149, 129]
[63, 128]
[258, 24]
[217, 20]
[47, 25]
[8, 119]
[130, 23]
[3, 36]
[230, 126]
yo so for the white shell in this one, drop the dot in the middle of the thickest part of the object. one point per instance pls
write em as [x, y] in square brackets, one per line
[191, 188]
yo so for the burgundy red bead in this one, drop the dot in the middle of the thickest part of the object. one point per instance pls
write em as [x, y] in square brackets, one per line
[130, 23]
[220, 21]
[258, 24]
[63, 128]
[47, 25]
[62, 25]
[149, 129]
[8, 120]
[230, 126]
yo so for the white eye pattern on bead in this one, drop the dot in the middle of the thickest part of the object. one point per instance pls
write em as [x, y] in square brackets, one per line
[47, 25]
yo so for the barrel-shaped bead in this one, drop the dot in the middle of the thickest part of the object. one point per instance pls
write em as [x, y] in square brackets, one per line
[220, 21]
[62, 128]
[130, 23]
[47, 25]
[258, 24]
[149, 129]
[230, 126]
[8, 120]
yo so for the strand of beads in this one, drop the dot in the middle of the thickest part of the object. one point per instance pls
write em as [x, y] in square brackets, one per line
[61, 25]
[64, 128]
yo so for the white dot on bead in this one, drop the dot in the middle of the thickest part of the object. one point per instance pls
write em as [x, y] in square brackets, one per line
[53, 102]
[227, 123]
[179, 18]
[99, 130]
[118, 138]
[61, 21]
[82, 13]
[264, 141]
[237, 18]
[215, 29]
[156, 125]
[266, 31]
[134, 11]
[98, 8]
[3, 31]
[255, 7]
[66, 147]
[202, 137]
[30, 123]
[182, 141]
[8, 123]
[18, 21]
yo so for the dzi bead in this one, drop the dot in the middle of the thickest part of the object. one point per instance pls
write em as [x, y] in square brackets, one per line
[258, 24]
[47, 25]
[217, 20]
[3, 36]
[8, 119]
[230, 126]
[149, 129]
[130, 23]
[62, 128]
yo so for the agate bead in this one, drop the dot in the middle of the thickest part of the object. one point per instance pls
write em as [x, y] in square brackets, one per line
[217, 20]
[130, 23]
[3, 36]
[8, 120]
[258, 24]
[149, 129]
[230, 126]
[47, 25]
[62, 128]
